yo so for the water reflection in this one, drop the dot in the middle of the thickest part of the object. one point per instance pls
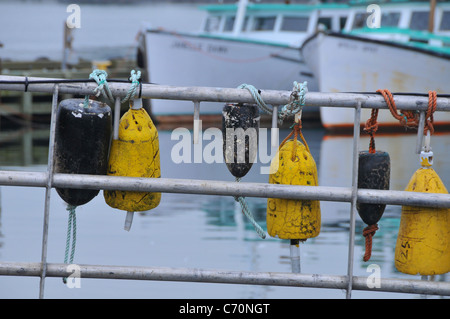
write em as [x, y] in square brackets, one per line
[213, 230]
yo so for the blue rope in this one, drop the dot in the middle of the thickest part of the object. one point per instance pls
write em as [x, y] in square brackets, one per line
[71, 233]
[248, 213]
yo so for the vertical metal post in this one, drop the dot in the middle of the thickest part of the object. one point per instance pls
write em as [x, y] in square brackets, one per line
[420, 132]
[351, 244]
[196, 127]
[48, 191]
[116, 119]
[295, 255]
[274, 131]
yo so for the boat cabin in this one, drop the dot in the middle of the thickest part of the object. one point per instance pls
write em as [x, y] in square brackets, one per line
[291, 24]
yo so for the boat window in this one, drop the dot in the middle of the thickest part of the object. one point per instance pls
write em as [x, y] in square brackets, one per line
[419, 20]
[342, 22]
[229, 23]
[445, 22]
[360, 20]
[212, 24]
[294, 24]
[264, 23]
[390, 19]
[325, 21]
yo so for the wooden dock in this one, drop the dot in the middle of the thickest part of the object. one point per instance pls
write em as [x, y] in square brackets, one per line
[26, 107]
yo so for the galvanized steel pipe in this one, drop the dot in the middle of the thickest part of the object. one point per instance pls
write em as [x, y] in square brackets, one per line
[226, 277]
[216, 94]
[224, 188]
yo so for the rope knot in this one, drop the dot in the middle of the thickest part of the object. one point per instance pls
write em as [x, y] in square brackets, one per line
[368, 233]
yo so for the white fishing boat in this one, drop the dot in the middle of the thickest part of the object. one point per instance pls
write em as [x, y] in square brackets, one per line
[252, 43]
[402, 54]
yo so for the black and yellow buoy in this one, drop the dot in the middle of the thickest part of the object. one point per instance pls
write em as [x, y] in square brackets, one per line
[423, 241]
[134, 153]
[82, 141]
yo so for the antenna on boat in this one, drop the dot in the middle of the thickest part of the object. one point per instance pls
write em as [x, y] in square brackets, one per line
[431, 16]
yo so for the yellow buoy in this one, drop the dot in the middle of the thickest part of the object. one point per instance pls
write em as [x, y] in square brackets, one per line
[287, 218]
[423, 242]
[134, 153]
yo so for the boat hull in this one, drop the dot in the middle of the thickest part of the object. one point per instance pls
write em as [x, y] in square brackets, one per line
[187, 60]
[344, 63]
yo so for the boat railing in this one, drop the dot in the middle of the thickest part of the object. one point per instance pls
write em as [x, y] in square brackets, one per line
[197, 95]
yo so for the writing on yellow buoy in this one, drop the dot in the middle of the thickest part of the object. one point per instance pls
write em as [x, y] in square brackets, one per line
[134, 153]
[287, 218]
[423, 242]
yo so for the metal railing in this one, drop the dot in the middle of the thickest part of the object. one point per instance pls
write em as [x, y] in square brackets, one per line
[197, 95]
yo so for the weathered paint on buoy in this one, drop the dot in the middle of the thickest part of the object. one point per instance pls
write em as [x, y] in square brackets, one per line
[373, 173]
[240, 126]
[423, 241]
[288, 218]
[82, 143]
[136, 154]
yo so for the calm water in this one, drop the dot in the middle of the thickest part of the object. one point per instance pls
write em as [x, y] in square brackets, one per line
[190, 231]
[196, 231]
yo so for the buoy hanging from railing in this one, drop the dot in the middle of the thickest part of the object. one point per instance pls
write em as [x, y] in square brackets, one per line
[423, 241]
[374, 169]
[293, 165]
[134, 153]
[82, 141]
[240, 130]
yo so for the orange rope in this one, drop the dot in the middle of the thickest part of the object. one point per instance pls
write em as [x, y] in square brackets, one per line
[410, 118]
[369, 232]
[371, 127]
[432, 103]
[296, 131]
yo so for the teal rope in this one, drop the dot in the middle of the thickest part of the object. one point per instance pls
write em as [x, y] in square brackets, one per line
[256, 96]
[294, 106]
[248, 213]
[86, 102]
[134, 78]
[100, 77]
[296, 102]
[72, 222]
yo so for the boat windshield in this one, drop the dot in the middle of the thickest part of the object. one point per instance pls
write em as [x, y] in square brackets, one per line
[419, 20]
[445, 22]
[294, 24]
[388, 19]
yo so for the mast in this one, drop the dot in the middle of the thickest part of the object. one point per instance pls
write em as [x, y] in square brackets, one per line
[431, 16]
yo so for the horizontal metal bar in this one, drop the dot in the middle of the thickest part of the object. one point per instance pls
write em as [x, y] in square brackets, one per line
[215, 94]
[226, 277]
[224, 188]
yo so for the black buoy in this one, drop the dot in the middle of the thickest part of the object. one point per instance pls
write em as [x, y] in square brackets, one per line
[240, 126]
[82, 141]
[373, 173]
